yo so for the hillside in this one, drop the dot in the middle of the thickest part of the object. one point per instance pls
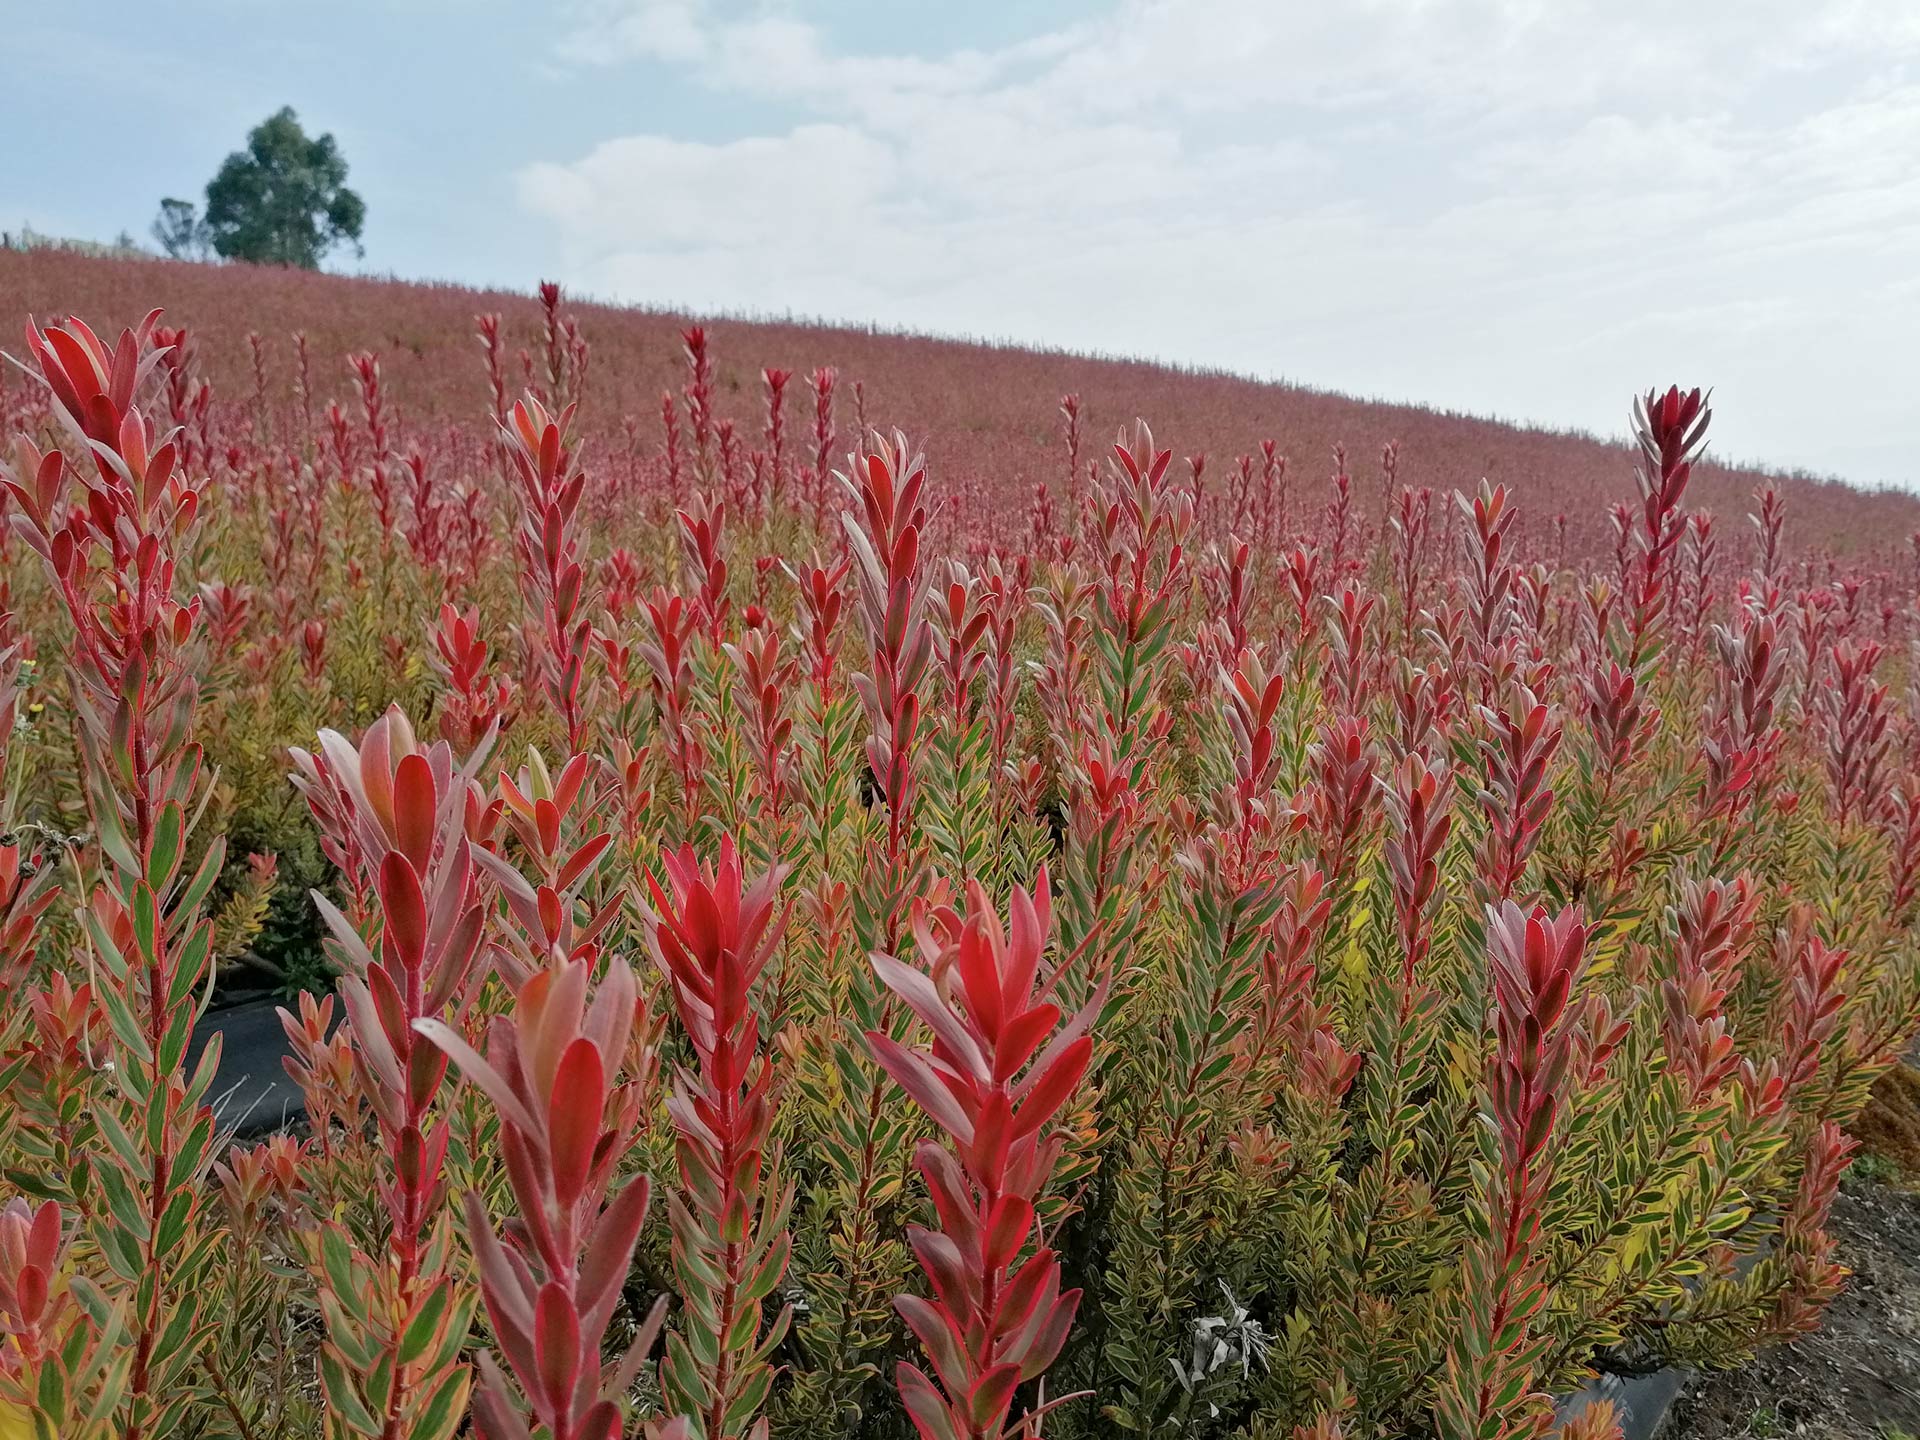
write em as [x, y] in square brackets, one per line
[986, 415]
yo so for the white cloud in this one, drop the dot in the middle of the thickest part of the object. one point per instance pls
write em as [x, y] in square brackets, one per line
[1528, 206]
[618, 30]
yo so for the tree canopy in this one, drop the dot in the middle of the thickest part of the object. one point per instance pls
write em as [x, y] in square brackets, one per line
[281, 201]
[180, 231]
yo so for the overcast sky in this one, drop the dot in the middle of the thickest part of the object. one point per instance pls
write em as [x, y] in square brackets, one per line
[1520, 207]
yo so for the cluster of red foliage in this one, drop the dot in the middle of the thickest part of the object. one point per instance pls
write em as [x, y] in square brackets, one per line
[1455, 942]
[982, 411]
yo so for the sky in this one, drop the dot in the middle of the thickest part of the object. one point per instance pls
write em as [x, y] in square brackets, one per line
[1523, 208]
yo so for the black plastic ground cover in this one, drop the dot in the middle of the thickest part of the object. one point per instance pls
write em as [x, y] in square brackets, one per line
[1643, 1402]
[252, 1095]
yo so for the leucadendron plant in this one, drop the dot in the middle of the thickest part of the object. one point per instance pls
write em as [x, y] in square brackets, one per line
[1171, 955]
[112, 519]
[1001, 1065]
[712, 931]
[396, 1320]
[554, 1281]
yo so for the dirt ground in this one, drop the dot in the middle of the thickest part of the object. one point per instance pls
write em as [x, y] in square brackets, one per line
[1858, 1377]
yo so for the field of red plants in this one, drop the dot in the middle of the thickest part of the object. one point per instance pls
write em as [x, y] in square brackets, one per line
[782, 932]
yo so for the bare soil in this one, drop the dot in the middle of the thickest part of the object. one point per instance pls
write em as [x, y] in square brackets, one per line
[1858, 1376]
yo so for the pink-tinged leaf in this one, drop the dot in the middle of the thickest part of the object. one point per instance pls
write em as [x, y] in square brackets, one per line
[521, 898]
[1079, 1024]
[495, 1417]
[1053, 1335]
[1053, 1087]
[404, 908]
[948, 1187]
[945, 1267]
[369, 1039]
[390, 1008]
[1028, 921]
[573, 1118]
[912, 1074]
[610, 1018]
[584, 859]
[1007, 1229]
[991, 1396]
[563, 1001]
[475, 1068]
[416, 804]
[556, 1344]
[978, 951]
[30, 1292]
[610, 1253]
[1020, 1038]
[1028, 1295]
[43, 1236]
[454, 968]
[572, 777]
[621, 1379]
[601, 1422]
[940, 1338]
[507, 1290]
[993, 1134]
[359, 958]
[916, 988]
[924, 1405]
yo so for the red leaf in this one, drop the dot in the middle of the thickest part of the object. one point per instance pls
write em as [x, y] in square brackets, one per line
[573, 1118]
[917, 990]
[556, 1344]
[924, 1405]
[991, 1397]
[939, 1336]
[415, 803]
[610, 1253]
[1020, 1038]
[1053, 1088]
[512, 1109]
[993, 1135]
[912, 1073]
[405, 910]
[1007, 1229]
[980, 974]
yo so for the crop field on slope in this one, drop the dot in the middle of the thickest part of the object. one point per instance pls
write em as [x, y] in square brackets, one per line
[984, 415]
[783, 932]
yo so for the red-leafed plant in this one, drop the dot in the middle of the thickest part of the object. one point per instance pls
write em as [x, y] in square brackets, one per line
[60, 1373]
[1322, 1170]
[549, 483]
[553, 1282]
[712, 932]
[1488, 1391]
[395, 1319]
[1000, 1066]
[110, 530]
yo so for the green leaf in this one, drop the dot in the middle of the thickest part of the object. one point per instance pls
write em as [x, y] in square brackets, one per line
[190, 966]
[201, 885]
[173, 1045]
[443, 1412]
[336, 1259]
[146, 922]
[122, 1205]
[425, 1324]
[164, 853]
[112, 836]
[747, 1403]
[173, 1222]
[173, 1339]
[343, 1397]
